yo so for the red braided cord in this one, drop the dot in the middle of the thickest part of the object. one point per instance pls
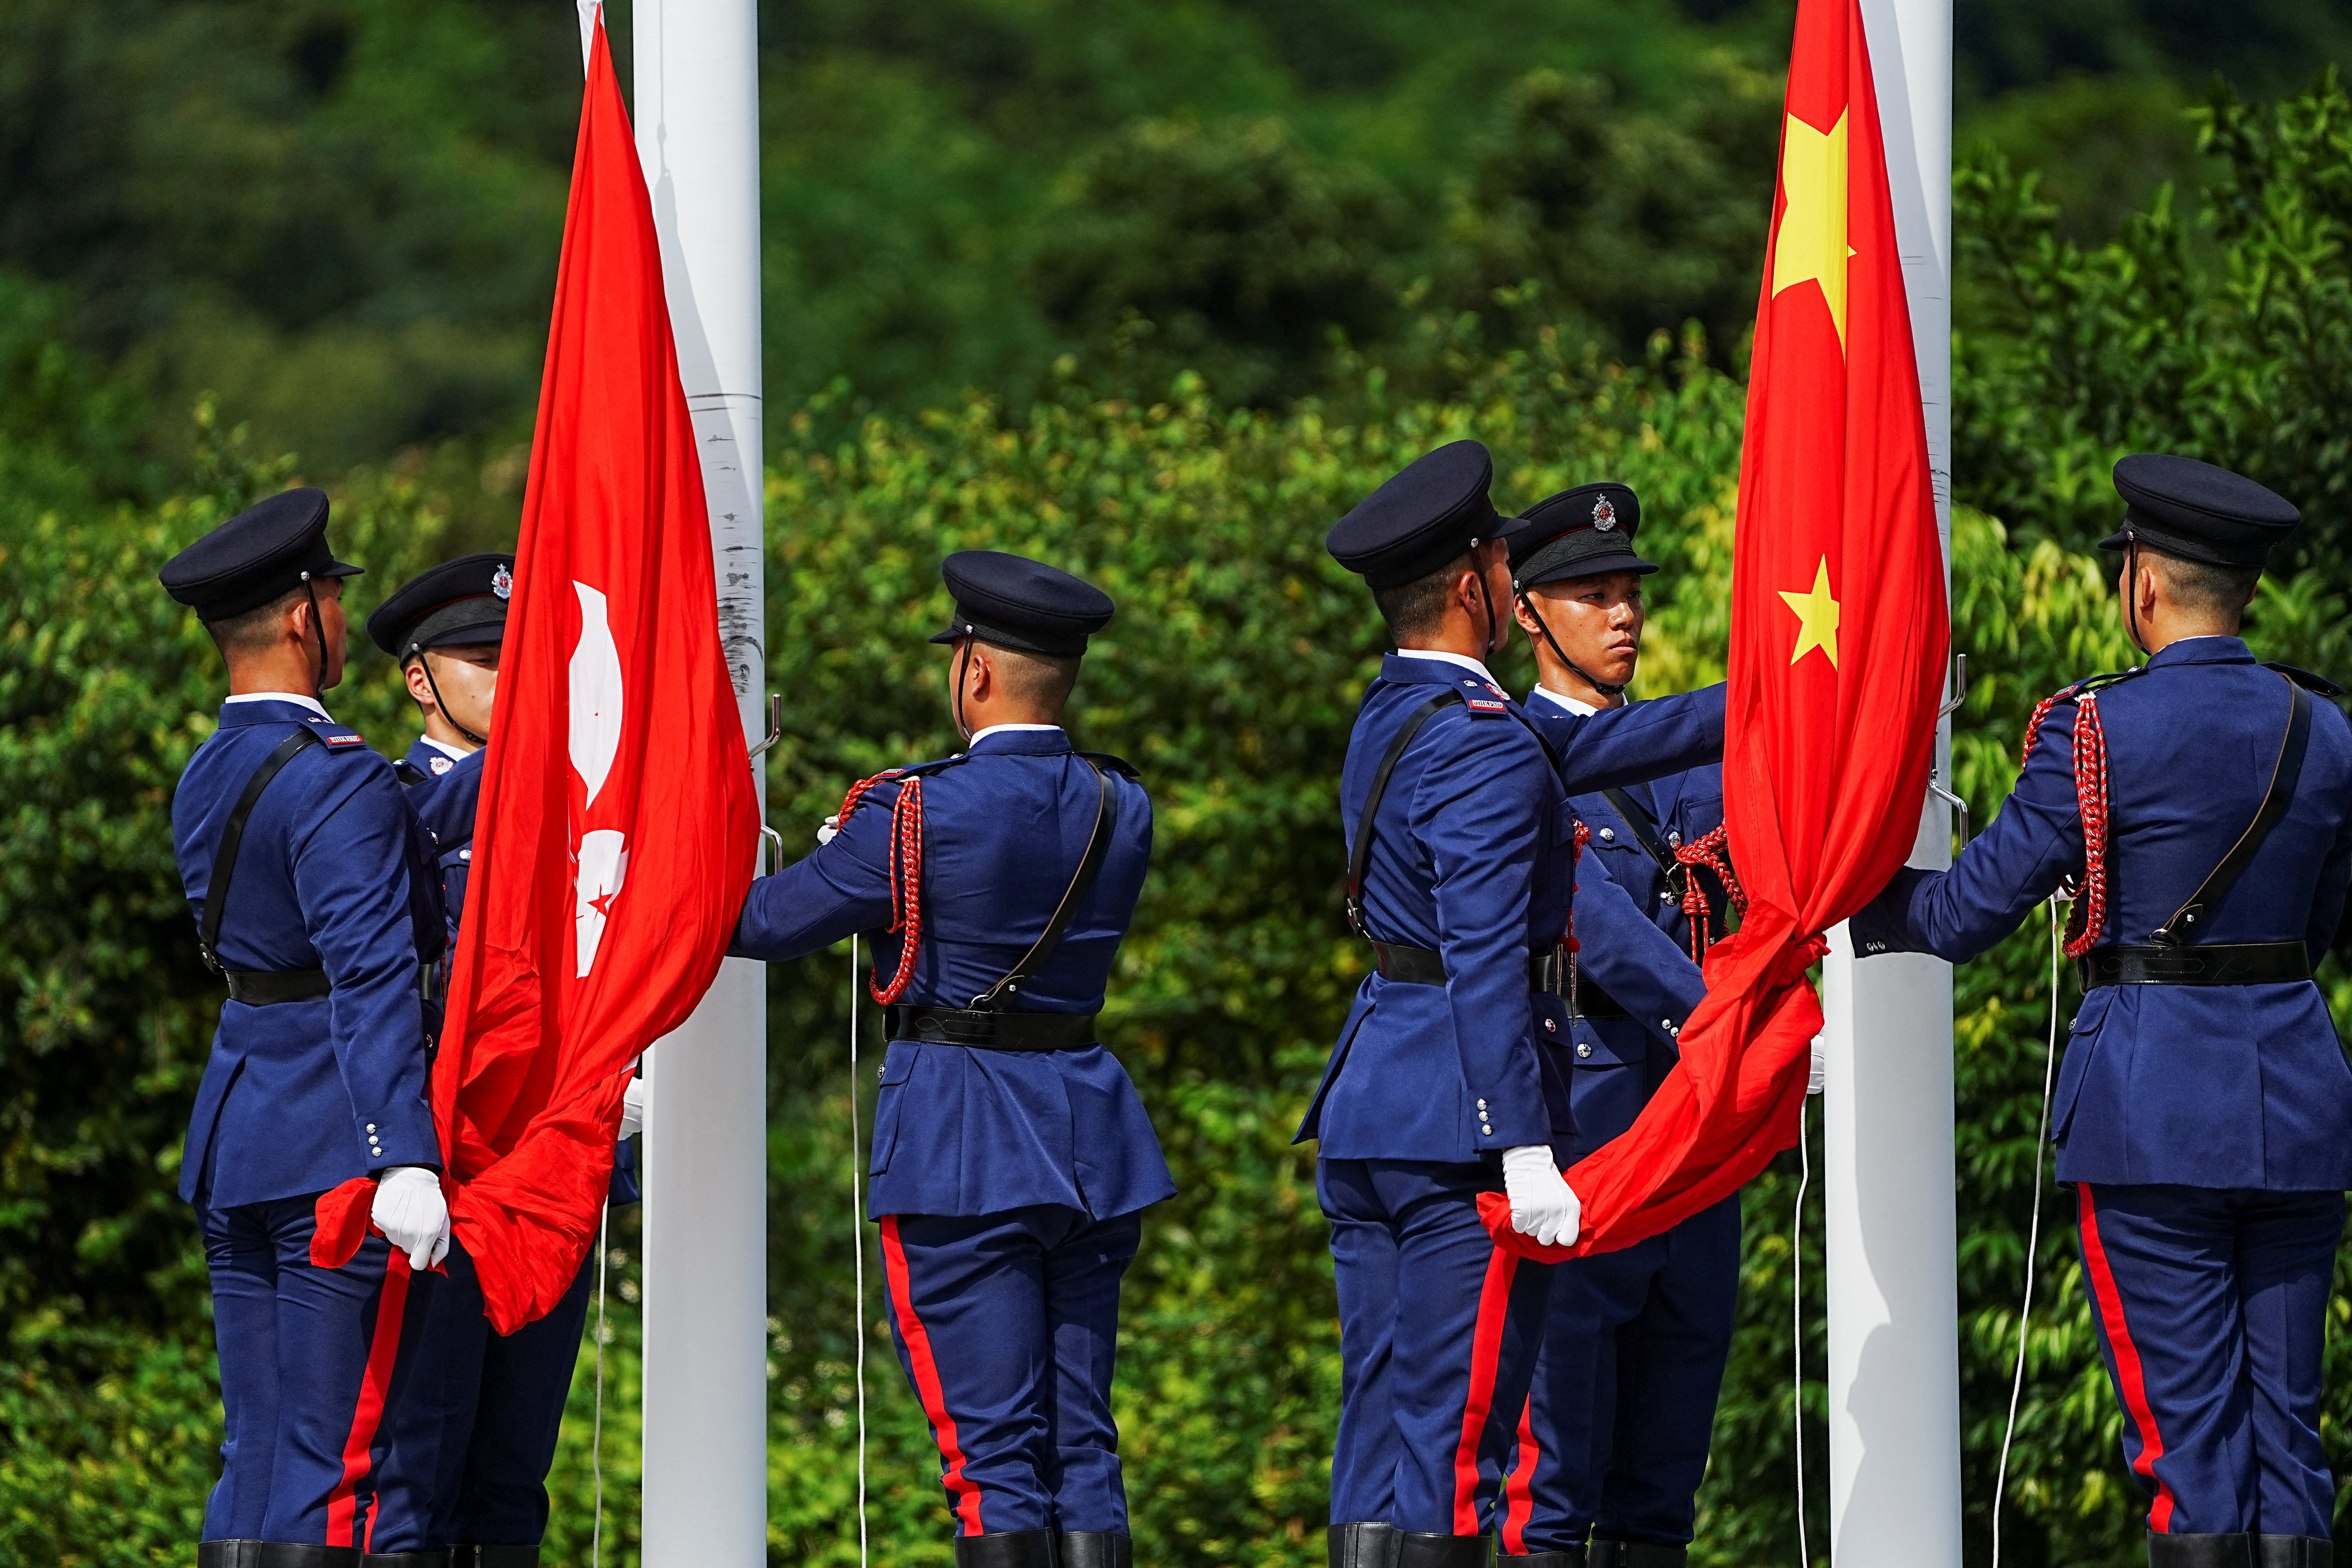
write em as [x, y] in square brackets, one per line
[1708, 851]
[1575, 854]
[2089, 890]
[906, 875]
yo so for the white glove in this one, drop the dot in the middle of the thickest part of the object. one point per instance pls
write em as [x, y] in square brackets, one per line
[1819, 1072]
[1542, 1205]
[413, 1215]
[825, 834]
[633, 1108]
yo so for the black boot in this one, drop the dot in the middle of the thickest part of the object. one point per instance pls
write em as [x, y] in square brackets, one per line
[1100, 1549]
[2291, 1552]
[298, 1554]
[1009, 1549]
[480, 1556]
[2199, 1550]
[1572, 1557]
[1426, 1548]
[1637, 1555]
[1363, 1543]
[228, 1554]
[440, 1558]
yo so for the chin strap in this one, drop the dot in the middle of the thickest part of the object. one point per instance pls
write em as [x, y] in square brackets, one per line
[439, 702]
[963, 667]
[2131, 590]
[1529, 604]
[318, 627]
[1486, 600]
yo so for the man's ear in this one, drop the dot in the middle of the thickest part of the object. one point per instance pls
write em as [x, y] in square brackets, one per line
[1520, 614]
[983, 674]
[413, 672]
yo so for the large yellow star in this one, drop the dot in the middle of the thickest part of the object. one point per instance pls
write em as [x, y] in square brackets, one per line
[1811, 246]
[1817, 617]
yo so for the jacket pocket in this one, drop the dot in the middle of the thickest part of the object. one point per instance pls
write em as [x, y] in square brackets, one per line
[2081, 1045]
[897, 1068]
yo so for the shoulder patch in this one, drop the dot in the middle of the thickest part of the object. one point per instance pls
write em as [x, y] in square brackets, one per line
[2318, 684]
[1486, 707]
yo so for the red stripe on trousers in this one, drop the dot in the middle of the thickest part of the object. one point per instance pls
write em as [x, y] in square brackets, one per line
[2128, 1374]
[1485, 1350]
[965, 1492]
[1519, 1502]
[383, 1350]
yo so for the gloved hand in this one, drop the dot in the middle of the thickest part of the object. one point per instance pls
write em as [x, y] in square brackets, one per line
[825, 835]
[410, 1212]
[1542, 1205]
[1819, 1072]
[633, 1108]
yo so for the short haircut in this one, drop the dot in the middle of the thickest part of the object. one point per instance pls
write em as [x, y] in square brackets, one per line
[1415, 610]
[1041, 680]
[256, 630]
[2202, 586]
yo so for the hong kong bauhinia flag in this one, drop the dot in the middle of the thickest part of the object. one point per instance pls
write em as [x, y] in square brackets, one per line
[1838, 635]
[617, 826]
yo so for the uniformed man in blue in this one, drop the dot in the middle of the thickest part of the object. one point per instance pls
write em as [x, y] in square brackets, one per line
[1012, 1158]
[483, 1419]
[310, 880]
[2199, 807]
[1460, 843]
[1614, 1440]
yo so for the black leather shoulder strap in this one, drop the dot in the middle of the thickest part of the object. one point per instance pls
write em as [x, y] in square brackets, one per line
[233, 835]
[1646, 831]
[2285, 769]
[2320, 685]
[1124, 768]
[1359, 854]
[1089, 866]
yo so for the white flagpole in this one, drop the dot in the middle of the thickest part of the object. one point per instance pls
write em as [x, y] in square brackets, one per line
[706, 1481]
[1888, 1187]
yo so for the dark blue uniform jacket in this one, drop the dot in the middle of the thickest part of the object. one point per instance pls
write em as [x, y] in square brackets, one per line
[445, 802]
[1470, 859]
[959, 1131]
[1635, 943]
[335, 873]
[2214, 1086]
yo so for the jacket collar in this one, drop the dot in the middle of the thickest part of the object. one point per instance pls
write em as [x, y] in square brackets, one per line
[1023, 743]
[266, 710]
[2202, 651]
[1417, 670]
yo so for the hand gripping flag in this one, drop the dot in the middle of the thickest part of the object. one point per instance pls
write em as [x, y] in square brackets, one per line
[617, 826]
[1838, 645]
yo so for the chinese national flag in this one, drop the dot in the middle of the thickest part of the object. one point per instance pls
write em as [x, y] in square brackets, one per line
[1839, 637]
[617, 826]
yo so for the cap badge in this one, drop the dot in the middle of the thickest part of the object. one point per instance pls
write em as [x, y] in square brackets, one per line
[502, 583]
[1604, 515]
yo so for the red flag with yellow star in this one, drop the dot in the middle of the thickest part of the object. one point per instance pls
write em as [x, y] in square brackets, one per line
[1839, 638]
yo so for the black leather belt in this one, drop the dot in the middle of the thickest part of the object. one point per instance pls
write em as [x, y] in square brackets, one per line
[267, 988]
[990, 1030]
[2205, 964]
[1546, 972]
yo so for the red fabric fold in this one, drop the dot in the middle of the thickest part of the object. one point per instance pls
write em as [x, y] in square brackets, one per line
[1839, 637]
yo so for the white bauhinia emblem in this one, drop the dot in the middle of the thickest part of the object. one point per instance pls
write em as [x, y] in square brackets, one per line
[603, 860]
[1604, 515]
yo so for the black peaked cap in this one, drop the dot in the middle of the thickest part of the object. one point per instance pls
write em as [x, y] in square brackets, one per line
[2186, 507]
[1582, 532]
[1016, 602]
[458, 601]
[1426, 516]
[262, 552]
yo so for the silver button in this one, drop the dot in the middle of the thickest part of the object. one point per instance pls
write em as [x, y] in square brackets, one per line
[1665, 897]
[1583, 1050]
[466, 854]
[371, 1127]
[1481, 1105]
[1489, 1131]
[1666, 1023]
[1608, 835]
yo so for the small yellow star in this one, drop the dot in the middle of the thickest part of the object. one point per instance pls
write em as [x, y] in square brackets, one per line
[1811, 246]
[1817, 617]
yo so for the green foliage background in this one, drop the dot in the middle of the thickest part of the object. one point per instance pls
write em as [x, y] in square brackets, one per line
[1136, 237]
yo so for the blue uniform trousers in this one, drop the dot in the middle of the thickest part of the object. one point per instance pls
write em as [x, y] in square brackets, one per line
[2212, 1305]
[1614, 1438]
[478, 1429]
[1438, 1334]
[310, 1361]
[1007, 1325]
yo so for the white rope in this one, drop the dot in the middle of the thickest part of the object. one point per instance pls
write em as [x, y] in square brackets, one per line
[1797, 1318]
[2032, 1241]
[857, 1251]
[596, 1440]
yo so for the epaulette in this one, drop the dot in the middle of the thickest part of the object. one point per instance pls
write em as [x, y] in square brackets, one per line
[1117, 765]
[2100, 682]
[337, 737]
[2318, 684]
